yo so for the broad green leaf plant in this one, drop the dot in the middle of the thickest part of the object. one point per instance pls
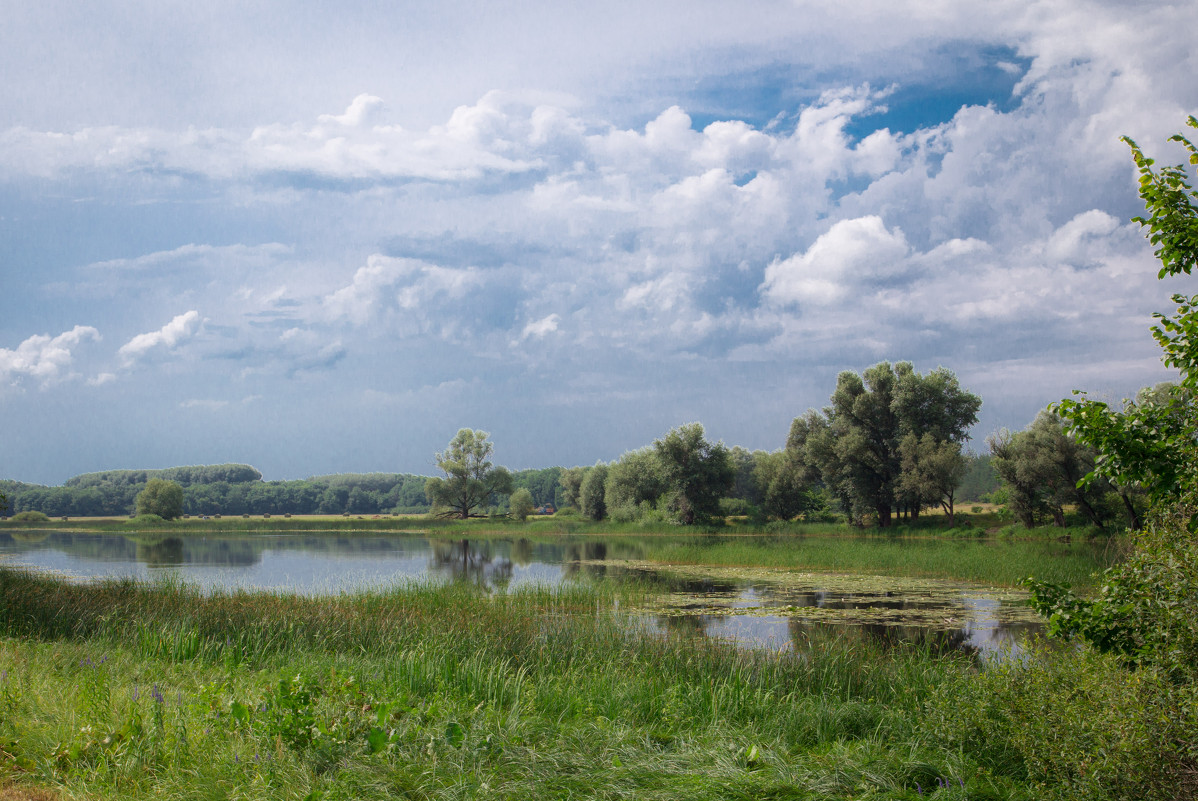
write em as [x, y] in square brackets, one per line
[1147, 607]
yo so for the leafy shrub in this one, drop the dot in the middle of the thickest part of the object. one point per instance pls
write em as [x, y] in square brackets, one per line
[823, 516]
[30, 516]
[650, 515]
[624, 513]
[146, 520]
[736, 507]
[521, 504]
[568, 512]
[162, 498]
[1076, 722]
[1147, 608]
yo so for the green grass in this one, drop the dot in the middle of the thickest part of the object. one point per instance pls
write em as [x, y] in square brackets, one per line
[434, 692]
[988, 561]
[133, 691]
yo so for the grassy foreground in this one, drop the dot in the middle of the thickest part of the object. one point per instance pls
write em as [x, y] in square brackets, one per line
[122, 690]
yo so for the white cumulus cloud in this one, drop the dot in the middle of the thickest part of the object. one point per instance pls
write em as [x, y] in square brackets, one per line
[849, 254]
[44, 358]
[541, 328]
[180, 329]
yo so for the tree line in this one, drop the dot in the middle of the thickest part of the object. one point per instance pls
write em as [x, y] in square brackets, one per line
[230, 489]
[889, 445]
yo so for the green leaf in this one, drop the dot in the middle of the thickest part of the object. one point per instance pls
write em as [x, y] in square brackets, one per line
[377, 739]
[454, 734]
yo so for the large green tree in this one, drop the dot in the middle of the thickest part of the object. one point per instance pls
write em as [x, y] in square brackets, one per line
[696, 472]
[634, 482]
[570, 482]
[853, 445]
[1043, 468]
[470, 477]
[932, 469]
[786, 488]
[161, 497]
[592, 491]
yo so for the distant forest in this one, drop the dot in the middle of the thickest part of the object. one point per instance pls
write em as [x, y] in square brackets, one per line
[236, 489]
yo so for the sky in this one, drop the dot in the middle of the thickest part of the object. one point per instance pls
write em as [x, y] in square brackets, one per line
[320, 238]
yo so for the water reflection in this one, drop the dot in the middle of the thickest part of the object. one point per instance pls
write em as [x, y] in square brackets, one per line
[771, 609]
[476, 563]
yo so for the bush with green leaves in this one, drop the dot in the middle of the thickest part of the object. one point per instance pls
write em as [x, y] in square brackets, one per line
[521, 504]
[1078, 724]
[592, 491]
[146, 520]
[1147, 608]
[30, 516]
[1118, 719]
[162, 498]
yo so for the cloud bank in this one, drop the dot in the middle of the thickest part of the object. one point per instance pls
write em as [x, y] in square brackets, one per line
[633, 250]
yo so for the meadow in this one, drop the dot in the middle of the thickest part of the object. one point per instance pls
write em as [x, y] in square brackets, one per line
[127, 690]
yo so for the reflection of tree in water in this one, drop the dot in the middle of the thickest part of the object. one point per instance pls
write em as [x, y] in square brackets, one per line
[804, 634]
[1003, 634]
[476, 563]
[663, 581]
[578, 559]
[522, 552]
[105, 547]
[27, 537]
[696, 625]
[224, 552]
[160, 551]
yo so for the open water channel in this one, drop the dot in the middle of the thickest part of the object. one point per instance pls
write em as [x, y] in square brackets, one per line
[757, 608]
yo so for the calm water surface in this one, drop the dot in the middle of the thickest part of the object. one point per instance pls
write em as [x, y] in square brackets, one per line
[761, 608]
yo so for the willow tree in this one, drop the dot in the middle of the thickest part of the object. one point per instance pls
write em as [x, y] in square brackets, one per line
[696, 472]
[854, 443]
[470, 477]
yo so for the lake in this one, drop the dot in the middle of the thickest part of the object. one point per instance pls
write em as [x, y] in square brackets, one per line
[753, 607]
